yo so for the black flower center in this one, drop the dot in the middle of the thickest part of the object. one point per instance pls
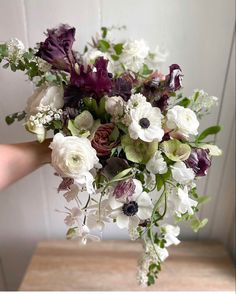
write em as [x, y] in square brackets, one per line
[130, 208]
[144, 122]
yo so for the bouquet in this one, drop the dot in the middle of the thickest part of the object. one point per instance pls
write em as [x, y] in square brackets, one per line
[125, 140]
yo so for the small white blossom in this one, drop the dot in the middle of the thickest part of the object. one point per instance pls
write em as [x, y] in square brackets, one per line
[157, 164]
[182, 202]
[73, 216]
[181, 173]
[170, 233]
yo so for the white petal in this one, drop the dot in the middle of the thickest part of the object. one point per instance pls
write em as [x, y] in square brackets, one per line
[114, 204]
[133, 222]
[144, 212]
[144, 200]
[122, 221]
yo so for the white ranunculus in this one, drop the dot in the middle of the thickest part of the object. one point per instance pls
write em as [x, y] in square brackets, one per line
[171, 233]
[183, 120]
[157, 164]
[181, 173]
[43, 96]
[182, 202]
[114, 106]
[74, 157]
[146, 123]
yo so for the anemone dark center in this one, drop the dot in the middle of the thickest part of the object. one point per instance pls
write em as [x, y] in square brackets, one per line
[144, 122]
[130, 208]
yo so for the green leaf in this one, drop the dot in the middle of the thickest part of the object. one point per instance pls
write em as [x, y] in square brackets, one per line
[104, 32]
[13, 67]
[203, 199]
[21, 115]
[151, 280]
[145, 70]
[103, 45]
[114, 134]
[118, 48]
[115, 57]
[57, 124]
[197, 224]
[207, 132]
[121, 175]
[185, 102]
[3, 50]
[159, 182]
[9, 119]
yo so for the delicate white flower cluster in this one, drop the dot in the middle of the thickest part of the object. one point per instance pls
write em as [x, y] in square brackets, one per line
[45, 115]
[201, 102]
[155, 253]
[134, 55]
[15, 49]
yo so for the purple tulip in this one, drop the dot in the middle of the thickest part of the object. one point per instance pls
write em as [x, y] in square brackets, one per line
[57, 48]
[175, 77]
[199, 161]
[94, 81]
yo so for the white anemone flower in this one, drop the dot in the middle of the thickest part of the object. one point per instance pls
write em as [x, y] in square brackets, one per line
[146, 123]
[128, 211]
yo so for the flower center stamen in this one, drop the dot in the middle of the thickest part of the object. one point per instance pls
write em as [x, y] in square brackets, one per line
[130, 208]
[144, 122]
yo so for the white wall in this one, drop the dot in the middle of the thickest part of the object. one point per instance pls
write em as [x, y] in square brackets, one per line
[199, 36]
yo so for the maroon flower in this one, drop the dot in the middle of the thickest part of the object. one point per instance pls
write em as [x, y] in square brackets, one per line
[199, 161]
[101, 141]
[175, 77]
[57, 48]
[93, 81]
[124, 189]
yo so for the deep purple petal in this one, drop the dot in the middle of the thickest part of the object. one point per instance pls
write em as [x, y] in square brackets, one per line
[57, 48]
[199, 161]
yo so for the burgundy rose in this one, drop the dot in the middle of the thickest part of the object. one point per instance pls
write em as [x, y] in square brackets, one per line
[199, 161]
[175, 77]
[57, 48]
[101, 141]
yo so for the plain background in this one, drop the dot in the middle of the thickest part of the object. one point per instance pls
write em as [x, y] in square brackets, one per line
[199, 35]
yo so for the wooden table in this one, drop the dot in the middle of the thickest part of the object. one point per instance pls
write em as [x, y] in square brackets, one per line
[111, 265]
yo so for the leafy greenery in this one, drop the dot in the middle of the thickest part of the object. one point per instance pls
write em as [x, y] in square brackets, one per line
[207, 132]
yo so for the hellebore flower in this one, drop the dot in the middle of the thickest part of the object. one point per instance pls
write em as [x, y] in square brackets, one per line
[199, 161]
[57, 48]
[94, 81]
[175, 77]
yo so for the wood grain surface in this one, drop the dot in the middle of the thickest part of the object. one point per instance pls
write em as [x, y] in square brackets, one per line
[111, 266]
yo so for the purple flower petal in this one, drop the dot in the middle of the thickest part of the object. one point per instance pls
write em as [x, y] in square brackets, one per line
[199, 161]
[57, 48]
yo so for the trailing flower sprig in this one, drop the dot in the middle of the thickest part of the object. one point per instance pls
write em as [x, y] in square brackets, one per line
[126, 142]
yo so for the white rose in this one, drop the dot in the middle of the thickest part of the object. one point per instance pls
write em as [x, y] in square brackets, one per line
[43, 96]
[74, 157]
[181, 173]
[183, 120]
[157, 164]
[114, 106]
